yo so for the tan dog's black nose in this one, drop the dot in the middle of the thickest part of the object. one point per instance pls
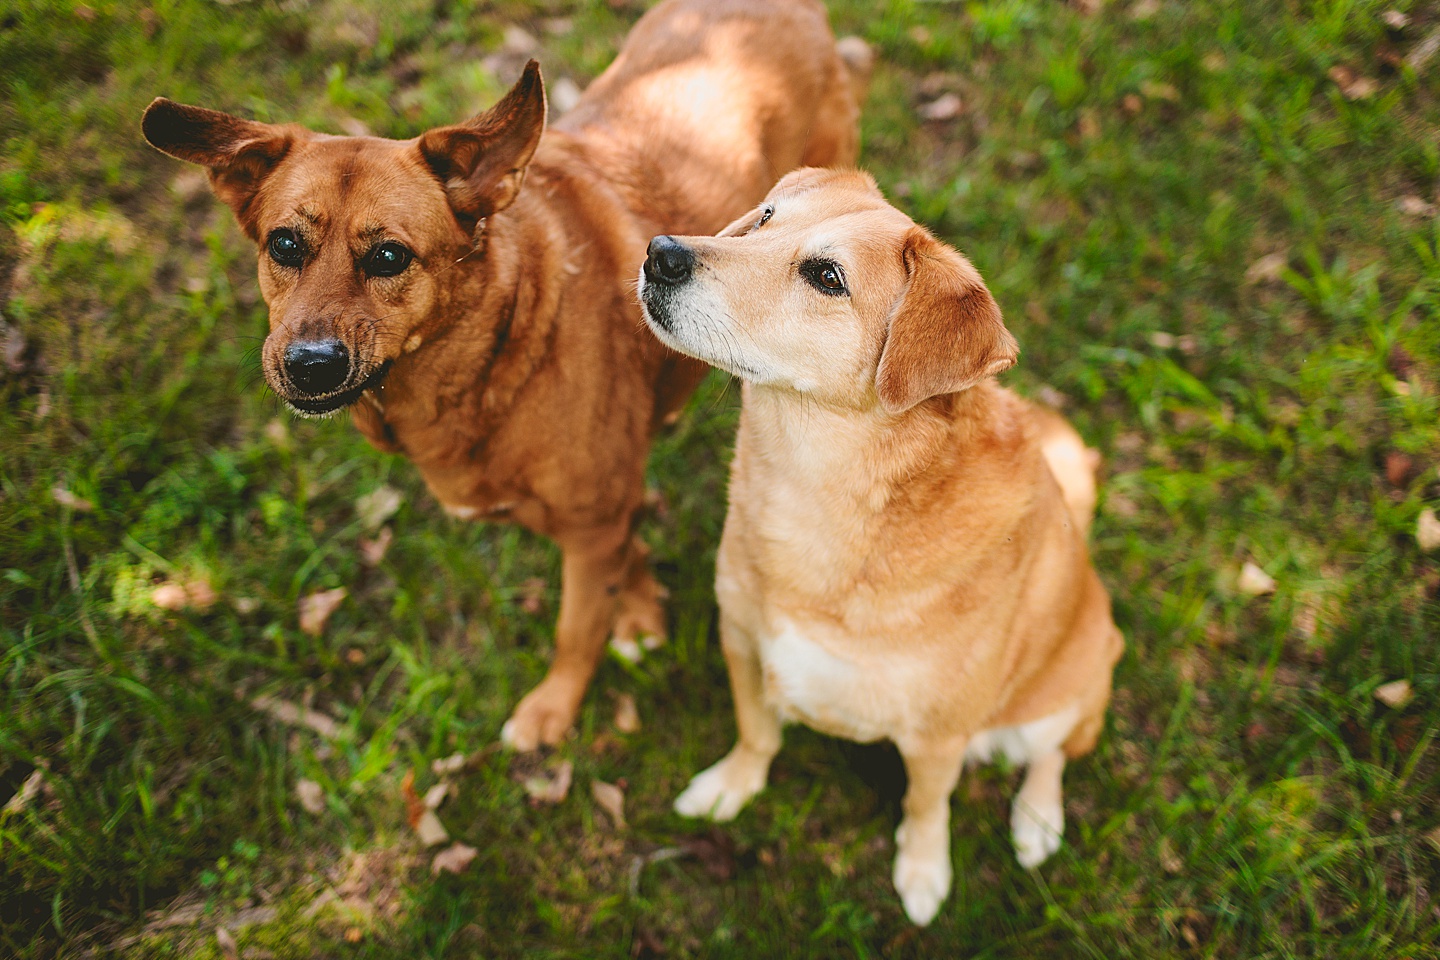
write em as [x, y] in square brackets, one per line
[317, 366]
[668, 261]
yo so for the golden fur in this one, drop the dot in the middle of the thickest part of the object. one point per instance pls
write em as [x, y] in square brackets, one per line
[904, 555]
[507, 359]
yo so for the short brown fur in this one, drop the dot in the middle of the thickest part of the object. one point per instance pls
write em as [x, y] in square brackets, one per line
[508, 360]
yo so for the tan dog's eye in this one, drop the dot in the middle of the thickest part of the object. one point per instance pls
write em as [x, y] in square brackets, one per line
[825, 276]
[765, 216]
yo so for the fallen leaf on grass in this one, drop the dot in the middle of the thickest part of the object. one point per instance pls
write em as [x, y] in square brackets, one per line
[1353, 86]
[447, 766]
[946, 107]
[297, 716]
[1413, 206]
[1399, 469]
[373, 551]
[611, 799]
[436, 795]
[552, 786]
[67, 499]
[311, 796]
[27, 792]
[627, 717]
[422, 818]
[227, 943]
[196, 594]
[1427, 531]
[316, 608]
[379, 505]
[532, 595]
[453, 859]
[1169, 860]
[1253, 581]
[1268, 268]
[1394, 694]
[1156, 90]
[1394, 19]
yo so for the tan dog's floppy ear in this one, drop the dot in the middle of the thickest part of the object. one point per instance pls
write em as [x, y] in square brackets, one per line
[240, 153]
[945, 333]
[482, 162]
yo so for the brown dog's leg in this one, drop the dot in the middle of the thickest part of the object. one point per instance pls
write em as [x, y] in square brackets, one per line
[922, 858]
[721, 791]
[592, 569]
[640, 621]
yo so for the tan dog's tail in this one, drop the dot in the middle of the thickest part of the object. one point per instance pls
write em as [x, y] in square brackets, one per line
[1073, 464]
[859, 62]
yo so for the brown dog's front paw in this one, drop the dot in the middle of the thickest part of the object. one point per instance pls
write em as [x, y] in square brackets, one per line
[640, 621]
[544, 717]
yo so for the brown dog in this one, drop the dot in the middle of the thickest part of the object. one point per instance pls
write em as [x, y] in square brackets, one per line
[904, 555]
[490, 333]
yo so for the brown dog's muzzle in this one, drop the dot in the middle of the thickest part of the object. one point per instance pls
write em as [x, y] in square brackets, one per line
[317, 375]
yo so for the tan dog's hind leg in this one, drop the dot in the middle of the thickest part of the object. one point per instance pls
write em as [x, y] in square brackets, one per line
[591, 572]
[922, 858]
[1037, 818]
[723, 790]
[640, 620]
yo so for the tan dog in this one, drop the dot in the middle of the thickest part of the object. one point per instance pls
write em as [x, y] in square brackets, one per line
[904, 555]
[490, 333]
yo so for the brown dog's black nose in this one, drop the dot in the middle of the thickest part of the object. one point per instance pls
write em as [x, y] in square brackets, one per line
[317, 366]
[668, 261]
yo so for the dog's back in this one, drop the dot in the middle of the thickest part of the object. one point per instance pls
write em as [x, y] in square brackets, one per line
[673, 120]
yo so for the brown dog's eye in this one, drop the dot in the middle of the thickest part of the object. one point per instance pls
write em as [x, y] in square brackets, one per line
[825, 276]
[286, 248]
[387, 260]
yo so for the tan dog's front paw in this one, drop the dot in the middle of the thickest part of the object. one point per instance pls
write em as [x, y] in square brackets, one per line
[1036, 831]
[922, 874]
[723, 790]
[544, 717]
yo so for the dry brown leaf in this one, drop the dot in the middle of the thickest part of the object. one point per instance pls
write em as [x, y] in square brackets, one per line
[297, 716]
[453, 859]
[1394, 694]
[1352, 86]
[611, 799]
[532, 595]
[436, 795]
[1268, 268]
[311, 796]
[316, 608]
[945, 107]
[27, 792]
[226, 941]
[377, 506]
[373, 551]
[1424, 51]
[1427, 531]
[196, 594]
[1253, 581]
[67, 499]
[627, 716]
[1169, 860]
[430, 830]
[1132, 104]
[1413, 206]
[1144, 9]
[550, 786]
[1158, 90]
[1399, 469]
[414, 805]
[448, 766]
[1394, 19]
[354, 934]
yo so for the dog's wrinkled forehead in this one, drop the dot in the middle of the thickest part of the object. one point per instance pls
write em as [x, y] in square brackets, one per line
[353, 185]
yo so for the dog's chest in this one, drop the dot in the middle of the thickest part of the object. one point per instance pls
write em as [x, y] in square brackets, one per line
[858, 697]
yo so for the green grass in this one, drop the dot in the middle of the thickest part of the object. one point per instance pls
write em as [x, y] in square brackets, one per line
[1113, 175]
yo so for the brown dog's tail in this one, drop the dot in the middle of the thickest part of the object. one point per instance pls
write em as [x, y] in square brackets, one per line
[859, 62]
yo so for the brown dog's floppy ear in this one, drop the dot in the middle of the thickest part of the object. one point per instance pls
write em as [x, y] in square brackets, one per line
[240, 153]
[482, 162]
[945, 333]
